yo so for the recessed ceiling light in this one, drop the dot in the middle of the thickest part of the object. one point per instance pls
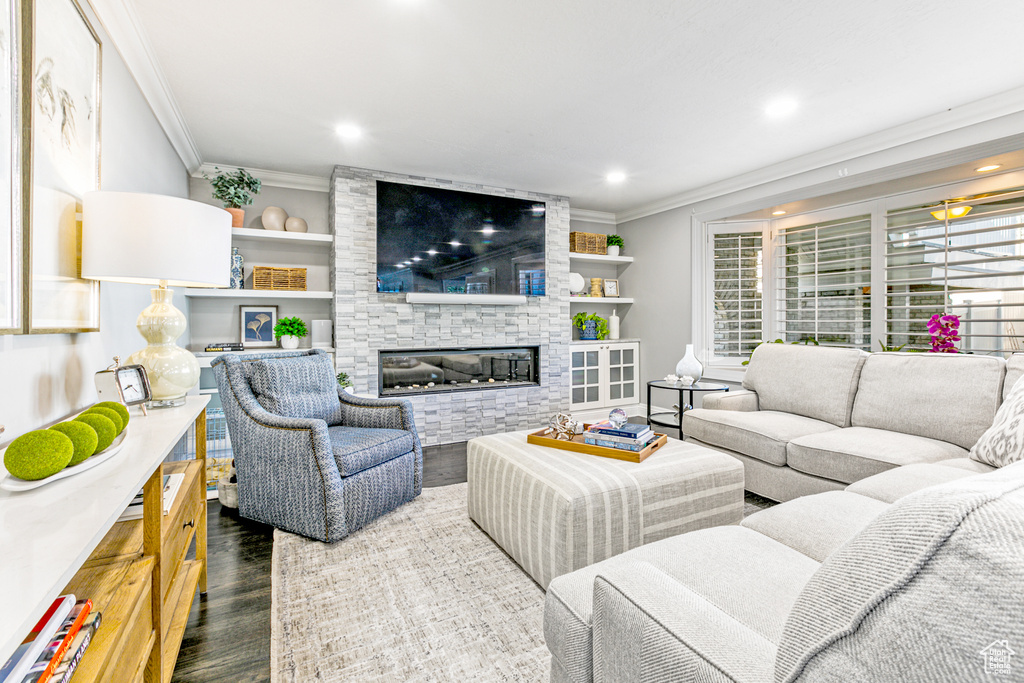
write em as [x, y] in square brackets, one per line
[455, 243]
[348, 131]
[984, 169]
[432, 252]
[780, 212]
[780, 107]
[615, 177]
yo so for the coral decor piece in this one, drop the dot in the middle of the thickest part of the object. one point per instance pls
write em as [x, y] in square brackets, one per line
[945, 332]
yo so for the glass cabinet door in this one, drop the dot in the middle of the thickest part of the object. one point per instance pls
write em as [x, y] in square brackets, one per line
[623, 374]
[586, 377]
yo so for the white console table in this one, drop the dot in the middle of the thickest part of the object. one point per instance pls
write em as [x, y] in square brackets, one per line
[66, 535]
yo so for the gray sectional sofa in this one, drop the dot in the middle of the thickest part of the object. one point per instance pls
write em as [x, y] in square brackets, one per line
[814, 419]
[912, 572]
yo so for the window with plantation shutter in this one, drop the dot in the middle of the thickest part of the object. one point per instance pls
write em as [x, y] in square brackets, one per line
[965, 258]
[737, 293]
[823, 282]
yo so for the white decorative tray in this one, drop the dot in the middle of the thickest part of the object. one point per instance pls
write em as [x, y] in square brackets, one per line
[12, 483]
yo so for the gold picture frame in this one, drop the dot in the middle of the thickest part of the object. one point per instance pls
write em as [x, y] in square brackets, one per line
[12, 282]
[62, 63]
[611, 287]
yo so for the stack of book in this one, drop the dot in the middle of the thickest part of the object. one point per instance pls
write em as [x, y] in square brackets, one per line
[225, 346]
[626, 437]
[52, 651]
[172, 484]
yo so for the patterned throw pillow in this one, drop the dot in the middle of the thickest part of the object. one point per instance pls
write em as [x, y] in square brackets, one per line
[304, 386]
[1003, 442]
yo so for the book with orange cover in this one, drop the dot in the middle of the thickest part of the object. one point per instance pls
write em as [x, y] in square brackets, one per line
[27, 653]
[45, 665]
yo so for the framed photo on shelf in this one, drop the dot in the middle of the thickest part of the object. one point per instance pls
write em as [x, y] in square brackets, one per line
[257, 326]
[11, 280]
[611, 287]
[63, 164]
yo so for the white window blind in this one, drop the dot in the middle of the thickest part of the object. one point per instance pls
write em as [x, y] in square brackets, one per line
[737, 292]
[824, 282]
[970, 264]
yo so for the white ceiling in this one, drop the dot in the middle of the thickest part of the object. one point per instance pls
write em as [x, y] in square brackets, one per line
[550, 95]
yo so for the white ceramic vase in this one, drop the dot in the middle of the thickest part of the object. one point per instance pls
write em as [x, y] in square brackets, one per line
[689, 365]
[289, 341]
[613, 325]
[613, 250]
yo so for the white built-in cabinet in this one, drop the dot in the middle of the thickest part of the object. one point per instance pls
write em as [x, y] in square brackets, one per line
[604, 374]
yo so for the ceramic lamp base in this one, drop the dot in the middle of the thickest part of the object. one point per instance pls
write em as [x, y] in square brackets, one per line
[172, 370]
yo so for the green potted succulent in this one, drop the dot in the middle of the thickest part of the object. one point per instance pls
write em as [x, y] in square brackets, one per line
[614, 243]
[290, 331]
[344, 380]
[591, 326]
[235, 189]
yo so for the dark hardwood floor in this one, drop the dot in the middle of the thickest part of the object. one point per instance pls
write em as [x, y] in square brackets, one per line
[228, 635]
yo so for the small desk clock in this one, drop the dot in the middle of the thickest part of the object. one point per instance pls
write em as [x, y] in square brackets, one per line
[127, 384]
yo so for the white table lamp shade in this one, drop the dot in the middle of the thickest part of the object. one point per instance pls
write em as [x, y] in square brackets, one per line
[155, 239]
[147, 238]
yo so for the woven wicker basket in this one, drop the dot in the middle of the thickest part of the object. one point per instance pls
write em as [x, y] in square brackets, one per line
[265, 277]
[588, 243]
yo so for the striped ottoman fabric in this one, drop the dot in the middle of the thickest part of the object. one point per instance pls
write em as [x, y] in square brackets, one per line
[555, 511]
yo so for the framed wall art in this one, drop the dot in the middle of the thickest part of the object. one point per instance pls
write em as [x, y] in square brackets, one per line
[63, 164]
[257, 323]
[11, 267]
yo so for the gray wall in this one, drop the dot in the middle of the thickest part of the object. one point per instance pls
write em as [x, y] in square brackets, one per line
[366, 322]
[45, 377]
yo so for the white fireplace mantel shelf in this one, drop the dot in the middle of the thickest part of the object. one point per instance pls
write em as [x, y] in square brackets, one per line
[493, 299]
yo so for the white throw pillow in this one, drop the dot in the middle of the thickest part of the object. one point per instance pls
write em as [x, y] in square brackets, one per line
[1003, 442]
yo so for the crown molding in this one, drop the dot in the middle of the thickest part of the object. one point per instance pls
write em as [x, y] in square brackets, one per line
[980, 111]
[592, 216]
[122, 25]
[293, 181]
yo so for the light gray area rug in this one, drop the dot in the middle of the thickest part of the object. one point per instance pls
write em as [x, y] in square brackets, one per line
[421, 594]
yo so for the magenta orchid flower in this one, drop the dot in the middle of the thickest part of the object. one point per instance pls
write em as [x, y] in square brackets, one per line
[945, 332]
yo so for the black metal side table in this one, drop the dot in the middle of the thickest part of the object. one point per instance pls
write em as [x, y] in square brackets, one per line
[675, 420]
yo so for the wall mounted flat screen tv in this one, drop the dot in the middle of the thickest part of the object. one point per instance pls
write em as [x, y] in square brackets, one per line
[452, 242]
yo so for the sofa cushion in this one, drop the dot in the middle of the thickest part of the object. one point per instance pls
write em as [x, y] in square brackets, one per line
[357, 449]
[1003, 442]
[816, 525]
[762, 434]
[967, 464]
[812, 381]
[921, 593]
[891, 485]
[302, 386]
[950, 397]
[1014, 371]
[850, 454]
[733, 571]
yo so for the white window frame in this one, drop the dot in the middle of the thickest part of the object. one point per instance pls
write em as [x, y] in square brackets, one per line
[704, 226]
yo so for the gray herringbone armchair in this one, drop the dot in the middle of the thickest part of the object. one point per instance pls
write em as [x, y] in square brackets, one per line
[311, 458]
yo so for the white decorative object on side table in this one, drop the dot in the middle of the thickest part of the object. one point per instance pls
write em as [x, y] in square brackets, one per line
[689, 365]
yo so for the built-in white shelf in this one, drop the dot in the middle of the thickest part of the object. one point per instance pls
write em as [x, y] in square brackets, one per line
[600, 300]
[280, 235]
[205, 358]
[196, 292]
[600, 258]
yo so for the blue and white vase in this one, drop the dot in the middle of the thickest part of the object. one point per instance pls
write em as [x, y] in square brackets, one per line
[237, 269]
[589, 331]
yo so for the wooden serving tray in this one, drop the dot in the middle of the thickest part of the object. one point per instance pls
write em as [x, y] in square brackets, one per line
[546, 437]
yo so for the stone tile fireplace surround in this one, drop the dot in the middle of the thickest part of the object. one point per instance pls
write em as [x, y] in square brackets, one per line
[366, 322]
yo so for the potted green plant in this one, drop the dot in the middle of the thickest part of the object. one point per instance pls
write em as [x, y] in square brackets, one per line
[591, 326]
[290, 331]
[236, 189]
[614, 243]
[344, 381]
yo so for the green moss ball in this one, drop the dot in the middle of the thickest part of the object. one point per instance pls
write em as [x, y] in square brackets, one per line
[120, 408]
[82, 436]
[105, 428]
[39, 454]
[110, 415]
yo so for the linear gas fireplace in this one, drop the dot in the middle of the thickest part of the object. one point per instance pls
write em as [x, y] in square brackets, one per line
[406, 372]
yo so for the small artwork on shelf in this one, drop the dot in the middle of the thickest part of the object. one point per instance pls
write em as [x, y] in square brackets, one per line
[611, 287]
[257, 326]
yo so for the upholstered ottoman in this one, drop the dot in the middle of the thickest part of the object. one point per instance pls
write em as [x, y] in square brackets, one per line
[555, 511]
